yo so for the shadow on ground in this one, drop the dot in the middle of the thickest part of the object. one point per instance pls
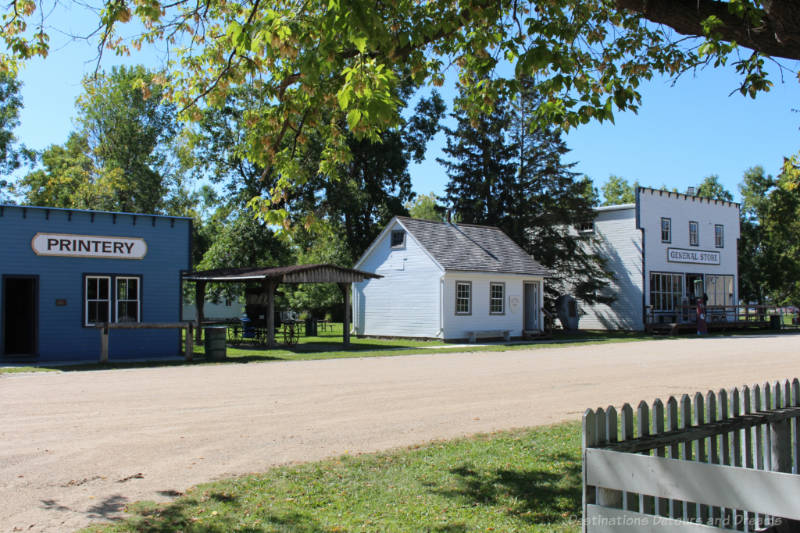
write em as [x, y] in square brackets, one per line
[539, 496]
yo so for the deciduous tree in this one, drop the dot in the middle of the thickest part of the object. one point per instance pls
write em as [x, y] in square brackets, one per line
[712, 188]
[322, 63]
[618, 191]
[426, 207]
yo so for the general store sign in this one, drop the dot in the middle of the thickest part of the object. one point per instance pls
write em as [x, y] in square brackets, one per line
[699, 257]
[66, 245]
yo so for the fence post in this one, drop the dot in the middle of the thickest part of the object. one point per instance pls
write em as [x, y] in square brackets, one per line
[780, 444]
[589, 439]
[608, 497]
[189, 349]
[104, 344]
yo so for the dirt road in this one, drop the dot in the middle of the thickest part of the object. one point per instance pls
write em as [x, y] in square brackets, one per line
[75, 447]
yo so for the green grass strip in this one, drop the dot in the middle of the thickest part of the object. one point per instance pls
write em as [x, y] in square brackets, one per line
[524, 480]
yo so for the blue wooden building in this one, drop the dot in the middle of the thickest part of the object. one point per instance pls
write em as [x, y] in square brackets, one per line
[64, 270]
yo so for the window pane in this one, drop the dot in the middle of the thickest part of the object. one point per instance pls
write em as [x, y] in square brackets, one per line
[128, 311]
[133, 289]
[103, 292]
[122, 293]
[91, 288]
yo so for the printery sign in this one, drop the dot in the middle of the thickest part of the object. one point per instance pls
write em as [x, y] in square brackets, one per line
[700, 257]
[65, 245]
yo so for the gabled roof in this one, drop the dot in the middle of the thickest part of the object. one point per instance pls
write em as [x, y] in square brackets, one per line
[469, 248]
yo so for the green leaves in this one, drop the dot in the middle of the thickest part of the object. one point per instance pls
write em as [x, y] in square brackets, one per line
[325, 69]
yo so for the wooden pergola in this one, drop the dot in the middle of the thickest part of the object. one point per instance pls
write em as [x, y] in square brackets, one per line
[270, 278]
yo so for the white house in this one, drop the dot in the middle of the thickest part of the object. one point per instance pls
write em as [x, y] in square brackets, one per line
[657, 248]
[224, 310]
[443, 280]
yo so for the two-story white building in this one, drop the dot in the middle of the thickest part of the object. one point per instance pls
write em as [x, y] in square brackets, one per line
[657, 249]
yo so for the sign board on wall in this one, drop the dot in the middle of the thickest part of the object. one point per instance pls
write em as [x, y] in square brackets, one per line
[96, 246]
[699, 257]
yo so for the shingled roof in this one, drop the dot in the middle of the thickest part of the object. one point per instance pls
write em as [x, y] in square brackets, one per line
[465, 247]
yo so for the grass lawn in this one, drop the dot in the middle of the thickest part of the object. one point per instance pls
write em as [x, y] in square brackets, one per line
[328, 345]
[526, 480]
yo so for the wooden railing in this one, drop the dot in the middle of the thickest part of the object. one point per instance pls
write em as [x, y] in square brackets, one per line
[720, 461]
[104, 328]
[754, 314]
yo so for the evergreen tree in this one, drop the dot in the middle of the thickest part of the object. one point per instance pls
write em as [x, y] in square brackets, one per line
[504, 173]
[480, 164]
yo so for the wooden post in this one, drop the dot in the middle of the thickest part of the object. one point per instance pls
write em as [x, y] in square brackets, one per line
[189, 349]
[589, 439]
[104, 344]
[346, 325]
[199, 302]
[269, 288]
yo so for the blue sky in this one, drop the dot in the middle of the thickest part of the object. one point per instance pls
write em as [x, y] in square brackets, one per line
[681, 134]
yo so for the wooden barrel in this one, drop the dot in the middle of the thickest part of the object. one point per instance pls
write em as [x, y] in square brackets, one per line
[216, 348]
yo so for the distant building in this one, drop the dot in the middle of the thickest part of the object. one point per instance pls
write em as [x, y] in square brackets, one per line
[224, 310]
[443, 280]
[657, 248]
[64, 270]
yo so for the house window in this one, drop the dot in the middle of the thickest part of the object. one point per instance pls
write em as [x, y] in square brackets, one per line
[666, 229]
[497, 298]
[719, 236]
[666, 291]
[586, 227]
[398, 238]
[694, 234]
[98, 299]
[463, 297]
[128, 299]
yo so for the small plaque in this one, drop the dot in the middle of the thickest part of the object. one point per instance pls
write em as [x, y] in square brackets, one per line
[61, 302]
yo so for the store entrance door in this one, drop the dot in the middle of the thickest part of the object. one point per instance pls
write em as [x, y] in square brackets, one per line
[20, 315]
[690, 288]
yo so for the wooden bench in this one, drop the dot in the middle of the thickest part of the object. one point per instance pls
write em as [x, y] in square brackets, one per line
[489, 334]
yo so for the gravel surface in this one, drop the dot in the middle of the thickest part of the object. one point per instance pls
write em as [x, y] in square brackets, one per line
[76, 447]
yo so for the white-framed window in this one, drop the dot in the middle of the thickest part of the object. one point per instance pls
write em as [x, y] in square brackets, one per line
[585, 227]
[97, 300]
[719, 236]
[694, 233]
[128, 302]
[720, 289]
[463, 297]
[666, 291]
[666, 229]
[497, 298]
[398, 238]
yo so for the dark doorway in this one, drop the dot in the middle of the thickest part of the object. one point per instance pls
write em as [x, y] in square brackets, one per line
[690, 288]
[20, 316]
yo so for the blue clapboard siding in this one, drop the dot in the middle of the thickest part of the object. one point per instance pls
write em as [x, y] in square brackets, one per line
[61, 334]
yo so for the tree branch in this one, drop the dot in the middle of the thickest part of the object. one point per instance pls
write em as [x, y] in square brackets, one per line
[777, 35]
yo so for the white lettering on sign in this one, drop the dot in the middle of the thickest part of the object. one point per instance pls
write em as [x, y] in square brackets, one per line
[700, 257]
[65, 245]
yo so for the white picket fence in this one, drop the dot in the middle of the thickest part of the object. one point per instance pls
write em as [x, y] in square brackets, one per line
[723, 461]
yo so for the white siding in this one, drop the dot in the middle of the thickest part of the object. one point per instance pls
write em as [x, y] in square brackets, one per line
[621, 246]
[681, 209]
[212, 311]
[406, 301]
[457, 326]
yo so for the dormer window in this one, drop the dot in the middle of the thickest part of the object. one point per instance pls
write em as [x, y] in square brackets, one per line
[398, 238]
